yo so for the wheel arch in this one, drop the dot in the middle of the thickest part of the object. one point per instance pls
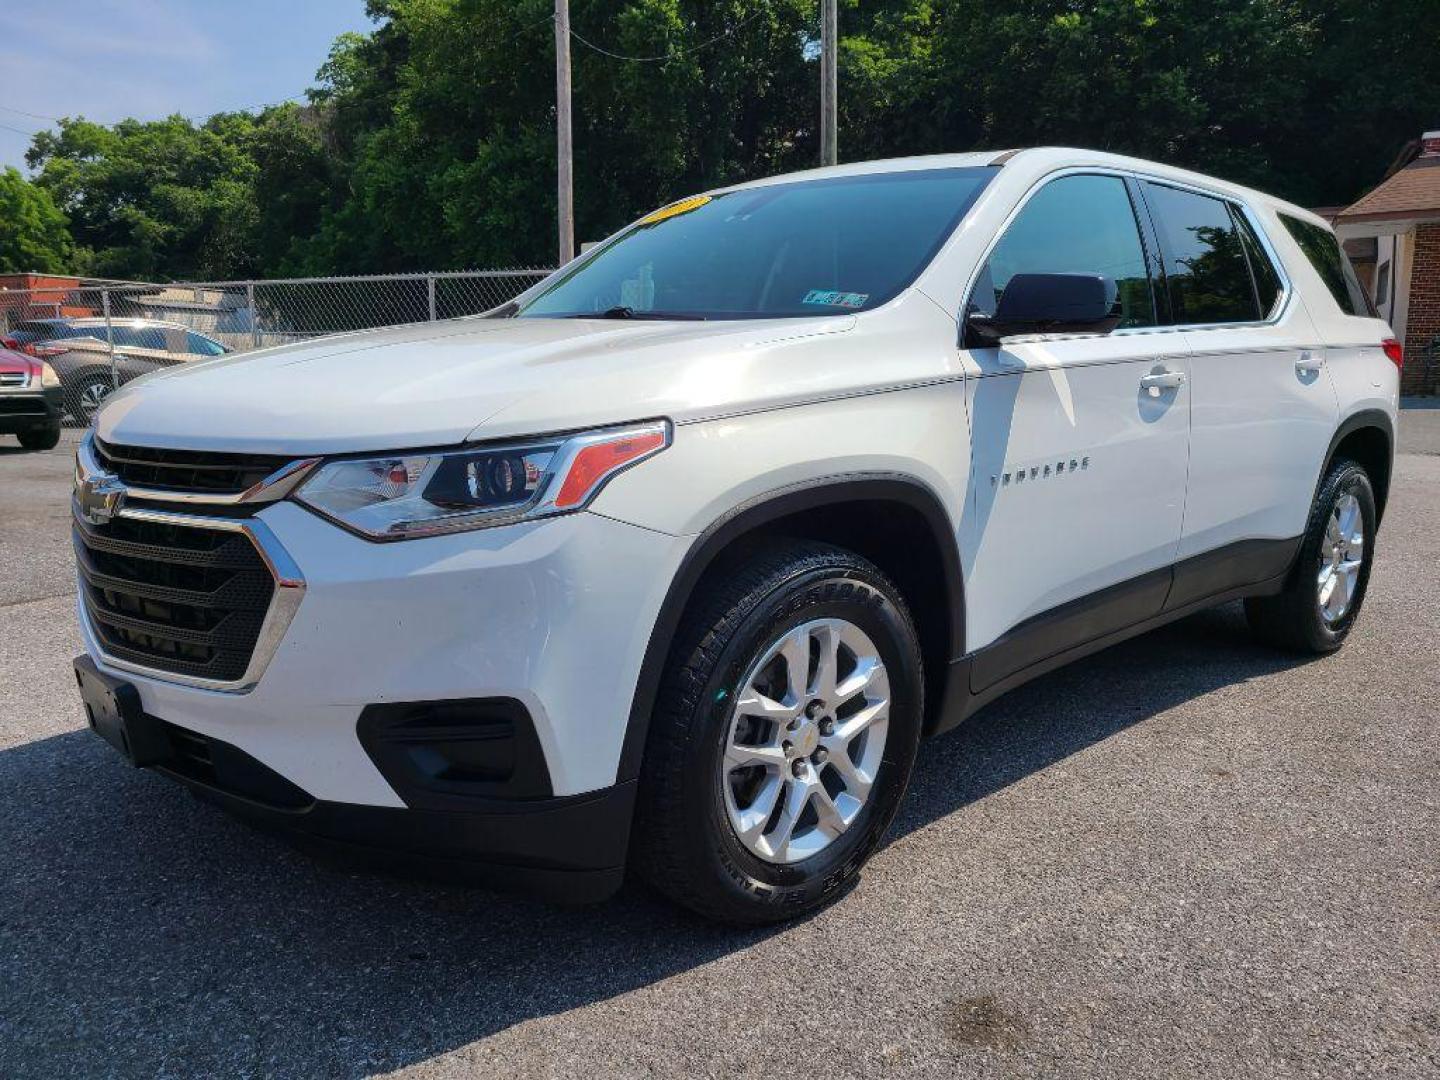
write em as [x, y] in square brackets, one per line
[811, 510]
[1368, 437]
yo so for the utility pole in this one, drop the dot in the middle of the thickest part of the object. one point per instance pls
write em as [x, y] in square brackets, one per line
[828, 80]
[565, 186]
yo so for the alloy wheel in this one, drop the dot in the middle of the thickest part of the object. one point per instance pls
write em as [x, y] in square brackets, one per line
[805, 740]
[1342, 554]
[92, 396]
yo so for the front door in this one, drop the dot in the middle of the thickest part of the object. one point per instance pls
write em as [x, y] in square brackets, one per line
[1080, 444]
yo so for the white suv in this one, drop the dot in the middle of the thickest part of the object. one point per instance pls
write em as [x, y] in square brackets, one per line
[672, 561]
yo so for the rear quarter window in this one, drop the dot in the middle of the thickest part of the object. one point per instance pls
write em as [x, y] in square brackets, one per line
[1325, 254]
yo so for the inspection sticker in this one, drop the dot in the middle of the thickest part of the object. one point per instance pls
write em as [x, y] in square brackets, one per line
[836, 299]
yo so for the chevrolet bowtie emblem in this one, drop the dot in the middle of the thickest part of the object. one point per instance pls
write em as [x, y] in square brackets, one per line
[100, 497]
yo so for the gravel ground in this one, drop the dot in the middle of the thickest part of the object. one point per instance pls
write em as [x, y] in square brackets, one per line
[1185, 856]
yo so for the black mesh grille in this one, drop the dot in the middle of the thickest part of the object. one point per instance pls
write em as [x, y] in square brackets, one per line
[177, 598]
[187, 470]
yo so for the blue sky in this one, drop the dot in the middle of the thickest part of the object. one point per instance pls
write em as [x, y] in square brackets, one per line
[108, 59]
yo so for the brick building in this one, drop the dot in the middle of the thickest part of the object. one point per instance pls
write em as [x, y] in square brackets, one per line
[1393, 238]
[40, 296]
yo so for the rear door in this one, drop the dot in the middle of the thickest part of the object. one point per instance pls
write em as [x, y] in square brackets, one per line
[1263, 408]
[1078, 484]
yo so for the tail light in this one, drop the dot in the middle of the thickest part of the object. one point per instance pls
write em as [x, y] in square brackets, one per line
[1395, 351]
[8, 342]
[46, 350]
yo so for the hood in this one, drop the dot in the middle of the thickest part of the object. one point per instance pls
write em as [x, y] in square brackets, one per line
[12, 362]
[446, 383]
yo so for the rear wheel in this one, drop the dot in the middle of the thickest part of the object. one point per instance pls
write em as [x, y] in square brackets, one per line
[783, 738]
[84, 398]
[43, 438]
[1320, 603]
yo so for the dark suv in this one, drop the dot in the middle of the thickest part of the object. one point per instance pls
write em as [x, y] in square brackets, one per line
[80, 354]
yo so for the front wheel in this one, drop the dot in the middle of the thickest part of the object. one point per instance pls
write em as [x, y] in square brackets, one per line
[783, 737]
[1322, 599]
[41, 438]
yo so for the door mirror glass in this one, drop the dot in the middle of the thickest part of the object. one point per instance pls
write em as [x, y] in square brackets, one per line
[1051, 304]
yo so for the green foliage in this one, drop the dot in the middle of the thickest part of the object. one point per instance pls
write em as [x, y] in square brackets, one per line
[32, 228]
[429, 142]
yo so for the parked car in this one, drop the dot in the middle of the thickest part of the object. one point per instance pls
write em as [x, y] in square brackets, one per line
[152, 334]
[29, 400]
[79, 351]
[673, 566]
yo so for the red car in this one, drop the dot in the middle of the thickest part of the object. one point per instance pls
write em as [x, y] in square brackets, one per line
[29, 400]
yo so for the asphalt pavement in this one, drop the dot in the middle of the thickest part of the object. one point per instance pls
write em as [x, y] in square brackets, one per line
[1186, 856]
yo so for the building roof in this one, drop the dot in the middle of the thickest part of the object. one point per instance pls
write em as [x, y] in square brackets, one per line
[1413, 192]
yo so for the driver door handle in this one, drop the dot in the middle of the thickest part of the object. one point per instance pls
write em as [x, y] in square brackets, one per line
[1158, 381]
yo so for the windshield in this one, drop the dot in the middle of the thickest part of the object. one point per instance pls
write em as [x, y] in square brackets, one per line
[813, 247]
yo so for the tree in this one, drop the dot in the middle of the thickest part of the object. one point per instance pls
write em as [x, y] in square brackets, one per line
[33, 234]
[429, 143]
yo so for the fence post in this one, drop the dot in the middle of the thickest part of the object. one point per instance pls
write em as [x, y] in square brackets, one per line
[254, 315]
[109, 338]
[430, 292]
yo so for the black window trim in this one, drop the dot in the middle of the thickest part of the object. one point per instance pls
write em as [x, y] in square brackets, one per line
[1136, 178]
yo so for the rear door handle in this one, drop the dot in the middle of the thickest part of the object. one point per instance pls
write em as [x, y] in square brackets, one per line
[1158, 381]
[1309, 363]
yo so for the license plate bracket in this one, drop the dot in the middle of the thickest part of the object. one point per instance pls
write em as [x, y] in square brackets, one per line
[114, 711]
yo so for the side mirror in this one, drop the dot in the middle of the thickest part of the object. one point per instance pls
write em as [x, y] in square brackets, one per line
[1048, 304]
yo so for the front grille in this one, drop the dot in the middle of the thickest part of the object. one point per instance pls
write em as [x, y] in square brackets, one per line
[14, 378]
[197, 471]
[177, 598]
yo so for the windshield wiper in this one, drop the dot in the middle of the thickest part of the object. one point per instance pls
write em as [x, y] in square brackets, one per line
[621, 311]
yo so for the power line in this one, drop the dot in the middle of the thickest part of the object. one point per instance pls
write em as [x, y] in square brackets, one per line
[676, 53]
[32, 115]
[196, 116]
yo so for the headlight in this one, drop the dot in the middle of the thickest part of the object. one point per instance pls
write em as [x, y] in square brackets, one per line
[399, 496]
[48, 376]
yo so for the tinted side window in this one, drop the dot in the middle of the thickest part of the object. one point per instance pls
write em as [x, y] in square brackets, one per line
[199, 343]
[1267, 279]
[132, 336]
[1074, 225]
[1323, 251]
[1205, 266]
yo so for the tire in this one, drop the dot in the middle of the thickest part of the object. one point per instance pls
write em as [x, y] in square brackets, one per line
[85, 394]
[45, 438]
[1304, 617]
[694, 801]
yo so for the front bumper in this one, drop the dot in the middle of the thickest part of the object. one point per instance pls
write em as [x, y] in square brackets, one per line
[555, 614]
[564, 849]
[26, 410]
[552, 615]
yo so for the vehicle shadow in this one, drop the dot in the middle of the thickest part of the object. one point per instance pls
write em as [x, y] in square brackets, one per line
[144, 932]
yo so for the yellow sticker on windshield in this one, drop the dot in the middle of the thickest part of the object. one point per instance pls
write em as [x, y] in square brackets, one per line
[684, 206]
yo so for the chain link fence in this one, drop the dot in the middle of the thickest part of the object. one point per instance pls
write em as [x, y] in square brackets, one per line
[99, 335]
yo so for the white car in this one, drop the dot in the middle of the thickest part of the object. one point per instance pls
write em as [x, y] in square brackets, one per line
[670, 563]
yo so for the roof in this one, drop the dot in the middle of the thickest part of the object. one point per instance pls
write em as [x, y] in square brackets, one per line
[1414, 191]
[1039, 159]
